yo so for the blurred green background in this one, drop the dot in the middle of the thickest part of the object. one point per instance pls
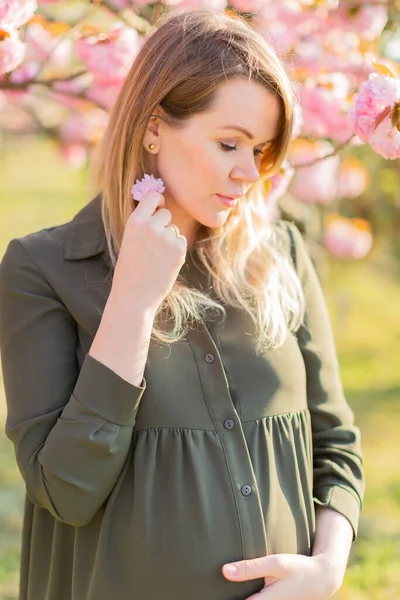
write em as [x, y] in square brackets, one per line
[37, 190]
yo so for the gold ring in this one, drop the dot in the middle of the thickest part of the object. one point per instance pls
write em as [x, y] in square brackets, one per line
[176, 229]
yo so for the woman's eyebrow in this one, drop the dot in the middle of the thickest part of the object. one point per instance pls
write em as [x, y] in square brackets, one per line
[249, 135]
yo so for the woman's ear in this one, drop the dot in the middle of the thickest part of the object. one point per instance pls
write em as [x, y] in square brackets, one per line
[151, 139]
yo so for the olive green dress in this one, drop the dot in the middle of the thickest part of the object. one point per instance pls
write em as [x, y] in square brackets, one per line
[144, 492]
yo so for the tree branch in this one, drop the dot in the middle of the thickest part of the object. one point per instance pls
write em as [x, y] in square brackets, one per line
[23, 85]
[320, 158]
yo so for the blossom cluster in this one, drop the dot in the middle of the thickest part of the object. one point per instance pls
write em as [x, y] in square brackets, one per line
[347, 238]
[376, 107]
[13, 14]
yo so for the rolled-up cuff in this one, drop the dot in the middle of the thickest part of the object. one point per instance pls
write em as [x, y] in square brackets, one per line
[107, 394]
[342, 500]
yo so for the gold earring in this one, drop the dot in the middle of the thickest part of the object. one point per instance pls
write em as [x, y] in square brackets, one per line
[151, 146]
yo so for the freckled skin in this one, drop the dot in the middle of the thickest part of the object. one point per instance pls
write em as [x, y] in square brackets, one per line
[195, 167]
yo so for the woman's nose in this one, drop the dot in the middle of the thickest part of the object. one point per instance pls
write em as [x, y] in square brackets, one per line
[247, 173]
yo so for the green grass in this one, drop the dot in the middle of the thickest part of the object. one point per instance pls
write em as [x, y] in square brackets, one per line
[38, 190]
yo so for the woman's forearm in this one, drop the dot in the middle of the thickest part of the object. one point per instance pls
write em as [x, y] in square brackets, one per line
[333, 539]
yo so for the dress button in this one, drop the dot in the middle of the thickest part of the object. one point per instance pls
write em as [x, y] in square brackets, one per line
[210, 358]
[229, 424]
[246, 490]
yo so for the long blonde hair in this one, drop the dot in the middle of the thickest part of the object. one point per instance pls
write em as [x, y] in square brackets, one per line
[179, 68]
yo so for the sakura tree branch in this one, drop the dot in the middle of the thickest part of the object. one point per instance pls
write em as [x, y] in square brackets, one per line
[7, 84]
[49, 83]
[320, 158]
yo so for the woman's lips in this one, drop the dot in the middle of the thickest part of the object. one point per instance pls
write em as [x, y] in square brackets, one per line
[227, 201]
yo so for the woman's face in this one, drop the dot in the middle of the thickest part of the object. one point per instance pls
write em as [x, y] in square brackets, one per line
[210, 156]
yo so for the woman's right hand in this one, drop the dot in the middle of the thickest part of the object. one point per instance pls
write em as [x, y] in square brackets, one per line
[150, 256]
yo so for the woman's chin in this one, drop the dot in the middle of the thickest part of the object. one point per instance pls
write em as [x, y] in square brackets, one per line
[217, 219]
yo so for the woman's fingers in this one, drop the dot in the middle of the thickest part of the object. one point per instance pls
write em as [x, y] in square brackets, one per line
[275, 565]
[148, 205]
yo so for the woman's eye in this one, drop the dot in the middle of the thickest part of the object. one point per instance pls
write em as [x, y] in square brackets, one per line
[227, 147]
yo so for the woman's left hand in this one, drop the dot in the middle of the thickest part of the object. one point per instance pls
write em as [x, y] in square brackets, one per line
[290, 576]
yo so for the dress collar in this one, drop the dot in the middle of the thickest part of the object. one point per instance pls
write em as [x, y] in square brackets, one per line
[85, 235]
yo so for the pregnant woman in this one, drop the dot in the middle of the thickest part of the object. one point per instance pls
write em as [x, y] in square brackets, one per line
[172, 385]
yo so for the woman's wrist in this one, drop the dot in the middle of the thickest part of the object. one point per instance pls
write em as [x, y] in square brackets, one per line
[331, 549]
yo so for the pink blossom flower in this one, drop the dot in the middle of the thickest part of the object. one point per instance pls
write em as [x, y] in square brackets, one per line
[298, 120]
[12, 50]
[26, 72]
[3, 100]
[275, 187]
[74, 154]
[109, 57]
[183, 5]
[323, 114]
[148, 184]
[279, 183]
[375, 95]
[316, 183]
[347, 238]
[285, 23]
[43, 46]
[104, 94]
[84, 128]
[385, 140]
[40, 41]
[353, 178]
[121, 4]
[248, 6]
[316, 56]
[15, 13]
[367, 20]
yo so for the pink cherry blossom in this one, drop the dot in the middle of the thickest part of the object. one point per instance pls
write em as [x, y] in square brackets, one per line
[323, 116]
[248, 5]
[109, 57]
[121, 4]
[26, 72]
[12, 50]
[316, 183]
[279, 183]
[367, 20]
[15, 13]
[208, 5]
[82, 128]
[316, 57]
[74, 154]
[103, 93]
[375, 95]
[353, 178]
[275, 188]
[148, 184]
[298, 120]
[285, 23]
[43, 46]
[3, 100]
[77, 86]
[385, 140]
[347, 238]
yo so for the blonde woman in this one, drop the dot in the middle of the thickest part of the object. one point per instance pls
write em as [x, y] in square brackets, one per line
[172, 384]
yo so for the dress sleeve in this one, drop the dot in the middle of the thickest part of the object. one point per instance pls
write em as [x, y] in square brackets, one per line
[71, 430]
[337, 457]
